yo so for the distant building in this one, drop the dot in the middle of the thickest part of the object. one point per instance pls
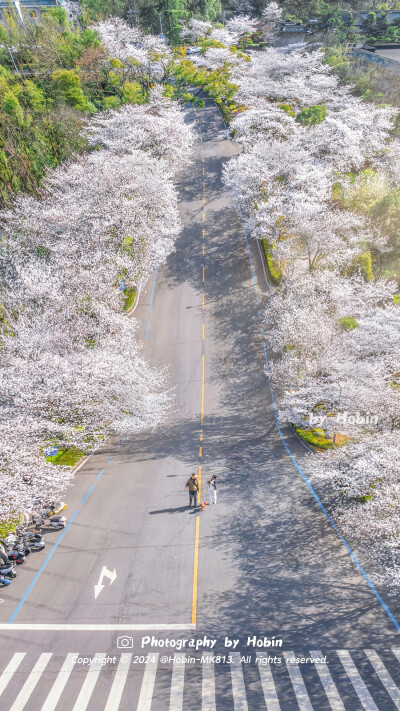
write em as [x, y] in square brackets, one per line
[24, 9]
[291, 33]
[386, 54]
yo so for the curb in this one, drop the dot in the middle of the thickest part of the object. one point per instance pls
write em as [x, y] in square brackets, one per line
[134, 305]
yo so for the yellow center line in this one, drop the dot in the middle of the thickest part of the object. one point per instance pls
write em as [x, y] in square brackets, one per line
[203, 250]
[201, 436]
[195, 570]
[203, 331]
[202, 391]
[203, 233]
[202, 158]
[201, 139]
[204, 273]
[204, 186]
[203, 168]
[204, 216]
[204, 201]
[200, 451]
[203, 303]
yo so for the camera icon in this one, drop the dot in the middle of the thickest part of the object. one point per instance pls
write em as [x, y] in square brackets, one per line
[125, 642]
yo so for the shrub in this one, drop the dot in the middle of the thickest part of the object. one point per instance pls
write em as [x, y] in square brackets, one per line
[313, 115]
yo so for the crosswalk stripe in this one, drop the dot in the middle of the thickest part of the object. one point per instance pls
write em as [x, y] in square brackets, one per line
[59, 684]
[33, 678]
[384, 676]
[88, 685]
[238, 687]
[268, 686]
[11, 667]
[208, 688]
[355, 678]
[296, 678]
[118, 685]
[327, 682]
[178, 678]
[146, 692]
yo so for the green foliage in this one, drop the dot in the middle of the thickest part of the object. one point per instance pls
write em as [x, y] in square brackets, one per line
[315, 437]
[9, 525]
[312, 115]
[67, 86]
[362, 263]
[130, 295]
[67, 457]
[274, 271]
[42, 109]
[347, 323]
[288, 109]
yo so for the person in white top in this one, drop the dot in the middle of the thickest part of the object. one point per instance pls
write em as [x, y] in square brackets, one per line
[212, 490]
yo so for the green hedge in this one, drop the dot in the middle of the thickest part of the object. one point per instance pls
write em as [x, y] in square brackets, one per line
[314, 437]
[130, 295]
[274, 271]
[67, 457]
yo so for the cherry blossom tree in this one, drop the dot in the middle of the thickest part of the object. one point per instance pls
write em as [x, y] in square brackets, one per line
[72, 372]
[195, 29]
[272, 16]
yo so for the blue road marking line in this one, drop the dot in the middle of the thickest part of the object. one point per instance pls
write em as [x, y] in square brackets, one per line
[109, 459]
[100, 473]
[257, 298]
[315, 495]
[117, 447]
[124, 438]
[40, 571]
[262, 331]
[147, 329]
[89, 491]
[153, 287]
[144, 355]
[259, 314]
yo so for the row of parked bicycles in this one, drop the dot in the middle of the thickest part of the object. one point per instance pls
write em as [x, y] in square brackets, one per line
[28, 537]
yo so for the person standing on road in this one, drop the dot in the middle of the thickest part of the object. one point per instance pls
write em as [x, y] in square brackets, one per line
[212, 490]
[193, 485]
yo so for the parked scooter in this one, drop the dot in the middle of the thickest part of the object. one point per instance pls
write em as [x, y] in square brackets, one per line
[52, 522]
[7, 570]
[54, 507]
[14, 552]
[33, 541]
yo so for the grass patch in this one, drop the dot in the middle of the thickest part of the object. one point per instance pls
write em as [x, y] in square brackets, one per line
[130, 295]
[274, 271]
[67, 457]
[315, 437]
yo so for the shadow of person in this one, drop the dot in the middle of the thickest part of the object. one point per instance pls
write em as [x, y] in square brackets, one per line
[171, 511]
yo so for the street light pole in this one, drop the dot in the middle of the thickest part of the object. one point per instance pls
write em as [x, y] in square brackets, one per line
[159, 14]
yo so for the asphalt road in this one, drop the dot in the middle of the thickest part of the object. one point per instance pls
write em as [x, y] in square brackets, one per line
[264, 562]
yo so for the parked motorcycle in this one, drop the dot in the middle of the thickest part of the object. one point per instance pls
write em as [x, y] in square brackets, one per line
[33, 541]
[7, 570]
[55, 507]
[52, 522]
[14, 552]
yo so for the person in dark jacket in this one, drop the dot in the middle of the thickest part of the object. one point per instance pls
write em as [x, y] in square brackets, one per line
[193, 485]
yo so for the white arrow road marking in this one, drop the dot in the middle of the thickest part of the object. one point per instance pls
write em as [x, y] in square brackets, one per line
[105, 573]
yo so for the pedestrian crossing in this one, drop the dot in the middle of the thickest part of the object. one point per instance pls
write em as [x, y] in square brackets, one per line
[361, 680]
